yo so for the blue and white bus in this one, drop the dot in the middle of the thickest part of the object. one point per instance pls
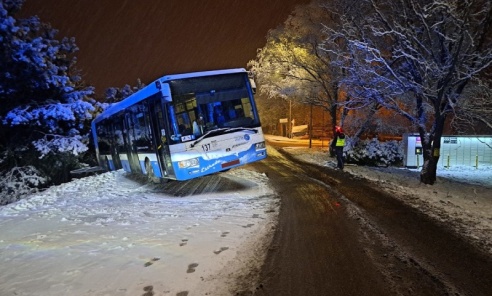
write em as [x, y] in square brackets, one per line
[182, 126]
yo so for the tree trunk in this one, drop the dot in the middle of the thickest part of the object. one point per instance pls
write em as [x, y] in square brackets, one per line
[333, 114]
[429, 171]
[432, 151]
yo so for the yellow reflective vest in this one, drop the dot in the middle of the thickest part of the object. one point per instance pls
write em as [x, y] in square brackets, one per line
[340, 142]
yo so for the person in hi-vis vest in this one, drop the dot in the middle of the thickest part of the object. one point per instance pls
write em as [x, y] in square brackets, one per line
[339, 143]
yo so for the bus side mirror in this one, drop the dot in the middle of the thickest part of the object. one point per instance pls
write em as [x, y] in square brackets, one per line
[166, 92]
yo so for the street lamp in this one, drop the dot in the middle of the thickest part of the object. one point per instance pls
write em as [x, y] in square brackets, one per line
[290, 119]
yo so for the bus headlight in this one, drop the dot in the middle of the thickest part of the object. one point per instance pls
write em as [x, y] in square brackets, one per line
[260, 145]
[188, 163]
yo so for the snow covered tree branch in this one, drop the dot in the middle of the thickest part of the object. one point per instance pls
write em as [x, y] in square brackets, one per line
[475, 114]
[417, 58]
[292, 65]
[19, 181]
[44, 103]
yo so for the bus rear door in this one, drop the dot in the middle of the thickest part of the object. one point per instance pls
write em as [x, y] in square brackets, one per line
[131, 148]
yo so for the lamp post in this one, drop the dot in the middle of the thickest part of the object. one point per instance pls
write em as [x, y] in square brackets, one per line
[290, 119]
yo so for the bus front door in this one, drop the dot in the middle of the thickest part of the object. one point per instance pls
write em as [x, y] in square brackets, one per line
[160, 134]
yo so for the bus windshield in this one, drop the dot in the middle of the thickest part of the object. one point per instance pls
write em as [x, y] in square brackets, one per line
[204, 104]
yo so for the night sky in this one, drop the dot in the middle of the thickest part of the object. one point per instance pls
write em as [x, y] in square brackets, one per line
[122, 40]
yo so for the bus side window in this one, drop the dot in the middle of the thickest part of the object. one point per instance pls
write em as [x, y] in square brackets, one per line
[141, 128]
[103, 132]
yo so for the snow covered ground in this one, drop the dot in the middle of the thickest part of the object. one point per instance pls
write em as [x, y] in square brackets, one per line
[112, 235]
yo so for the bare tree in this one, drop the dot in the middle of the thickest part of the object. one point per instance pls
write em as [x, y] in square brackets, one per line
[416, 57]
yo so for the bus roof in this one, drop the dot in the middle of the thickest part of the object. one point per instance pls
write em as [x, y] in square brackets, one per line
[152, 89]
[167, 78]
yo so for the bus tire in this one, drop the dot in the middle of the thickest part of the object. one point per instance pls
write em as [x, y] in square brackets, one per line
[150, 173]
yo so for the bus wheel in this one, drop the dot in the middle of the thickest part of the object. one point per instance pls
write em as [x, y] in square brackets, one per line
[150, 173]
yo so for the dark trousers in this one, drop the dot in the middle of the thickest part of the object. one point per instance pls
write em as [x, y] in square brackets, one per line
[339, 154]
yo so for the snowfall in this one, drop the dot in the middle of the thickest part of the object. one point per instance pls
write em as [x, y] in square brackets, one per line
[112, 234]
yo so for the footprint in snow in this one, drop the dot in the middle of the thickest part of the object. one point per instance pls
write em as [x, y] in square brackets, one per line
[149, 263]
[149, 291]
[217, 252]
[191, 267]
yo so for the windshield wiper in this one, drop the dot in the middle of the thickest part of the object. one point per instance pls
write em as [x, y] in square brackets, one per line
[235, 129]
[207, 134]
[221, 131]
